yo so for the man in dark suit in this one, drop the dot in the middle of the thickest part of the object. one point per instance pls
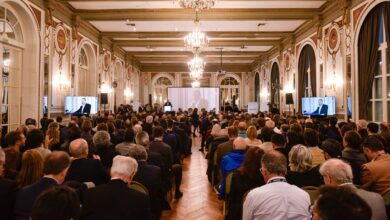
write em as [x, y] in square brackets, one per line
[54, 170]
[168, 103]
[322, 108]
[167, 155]
[84, 169]
[7, 192]
[115, 200]
[85, 108]
[149, 176]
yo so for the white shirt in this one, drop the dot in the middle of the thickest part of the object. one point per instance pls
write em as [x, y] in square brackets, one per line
[276, 201]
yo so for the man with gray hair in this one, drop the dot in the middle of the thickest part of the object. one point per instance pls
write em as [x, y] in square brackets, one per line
[338, 172]
[102, 142]
[115, 200]
[150, 177]
[277, 199]
[84, 169]
[8, 189]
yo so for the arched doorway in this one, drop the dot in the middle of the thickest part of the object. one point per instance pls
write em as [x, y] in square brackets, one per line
[20, 96]
[86, 77]
[160, 88]
[306, 74]
[275, 85]
[230, 93]
[373, 63]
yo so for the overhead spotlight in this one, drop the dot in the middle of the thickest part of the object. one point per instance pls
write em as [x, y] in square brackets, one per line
[259, 25]
[131, 24]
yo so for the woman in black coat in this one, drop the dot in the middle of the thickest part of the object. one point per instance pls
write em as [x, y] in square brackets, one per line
[245, 178]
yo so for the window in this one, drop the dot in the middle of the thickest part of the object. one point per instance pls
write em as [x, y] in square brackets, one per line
[160, 94]
[9, 25]
[380, 97]
[230, 92]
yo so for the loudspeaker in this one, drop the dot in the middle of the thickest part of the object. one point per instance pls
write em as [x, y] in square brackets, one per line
[289, 99]
[150, 99]
[103, 98]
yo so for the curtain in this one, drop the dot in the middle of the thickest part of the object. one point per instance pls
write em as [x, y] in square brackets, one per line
[313, 70]
[306, 59]
[257, 87]
[386, 19]
[274, 84]
[367, 58]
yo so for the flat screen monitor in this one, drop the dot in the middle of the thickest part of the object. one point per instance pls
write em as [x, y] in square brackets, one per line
[167, 108]
[186, 97]
[81, 105]
[319, 105]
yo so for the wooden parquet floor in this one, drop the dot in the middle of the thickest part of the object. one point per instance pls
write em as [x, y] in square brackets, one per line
[199, 201]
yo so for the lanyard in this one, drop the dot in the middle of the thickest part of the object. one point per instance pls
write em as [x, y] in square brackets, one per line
[276, 180]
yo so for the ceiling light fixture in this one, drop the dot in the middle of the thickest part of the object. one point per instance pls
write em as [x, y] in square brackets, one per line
[195, 84]
[131, 24]
[197, 5]
[196, 39]
[196, 66]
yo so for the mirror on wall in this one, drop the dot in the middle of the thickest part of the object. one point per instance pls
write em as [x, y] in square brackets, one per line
[348, 85]
[45, 86]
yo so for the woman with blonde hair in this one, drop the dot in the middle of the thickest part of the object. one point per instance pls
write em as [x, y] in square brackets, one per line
[302, 173]
[32, 168]
[251, 137]
[52, 139]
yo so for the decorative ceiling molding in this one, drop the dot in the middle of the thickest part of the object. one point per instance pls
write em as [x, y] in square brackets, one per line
[186, 14]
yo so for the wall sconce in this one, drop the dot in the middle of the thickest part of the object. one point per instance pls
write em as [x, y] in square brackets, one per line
[333, 82]
[195, 84]
[288, 89]
[104, 88]
[61, 81]
[264, 93]
[128, 93]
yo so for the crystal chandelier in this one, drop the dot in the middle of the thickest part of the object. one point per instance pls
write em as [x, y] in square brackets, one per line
[196, 65]
[196, 39]
[196, 74]
[197, 5]
[195, 84]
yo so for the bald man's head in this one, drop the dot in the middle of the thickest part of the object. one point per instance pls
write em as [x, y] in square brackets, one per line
[239, 144]
[79, 148]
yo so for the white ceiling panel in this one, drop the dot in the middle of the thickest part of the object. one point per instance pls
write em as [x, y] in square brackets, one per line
[220, 26]
[211, 39]
[216, 61]
[179, 49]
[169, 4]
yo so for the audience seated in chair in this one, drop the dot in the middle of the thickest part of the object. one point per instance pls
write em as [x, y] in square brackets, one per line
[115, 200]
[82, 168]
[55, 169]
[245, 178]
[276, 199]
[149, 176]
[339, 173]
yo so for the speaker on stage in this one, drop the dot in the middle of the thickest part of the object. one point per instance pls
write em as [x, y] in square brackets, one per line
[103, 98]
[150, 99]
[289, 99]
